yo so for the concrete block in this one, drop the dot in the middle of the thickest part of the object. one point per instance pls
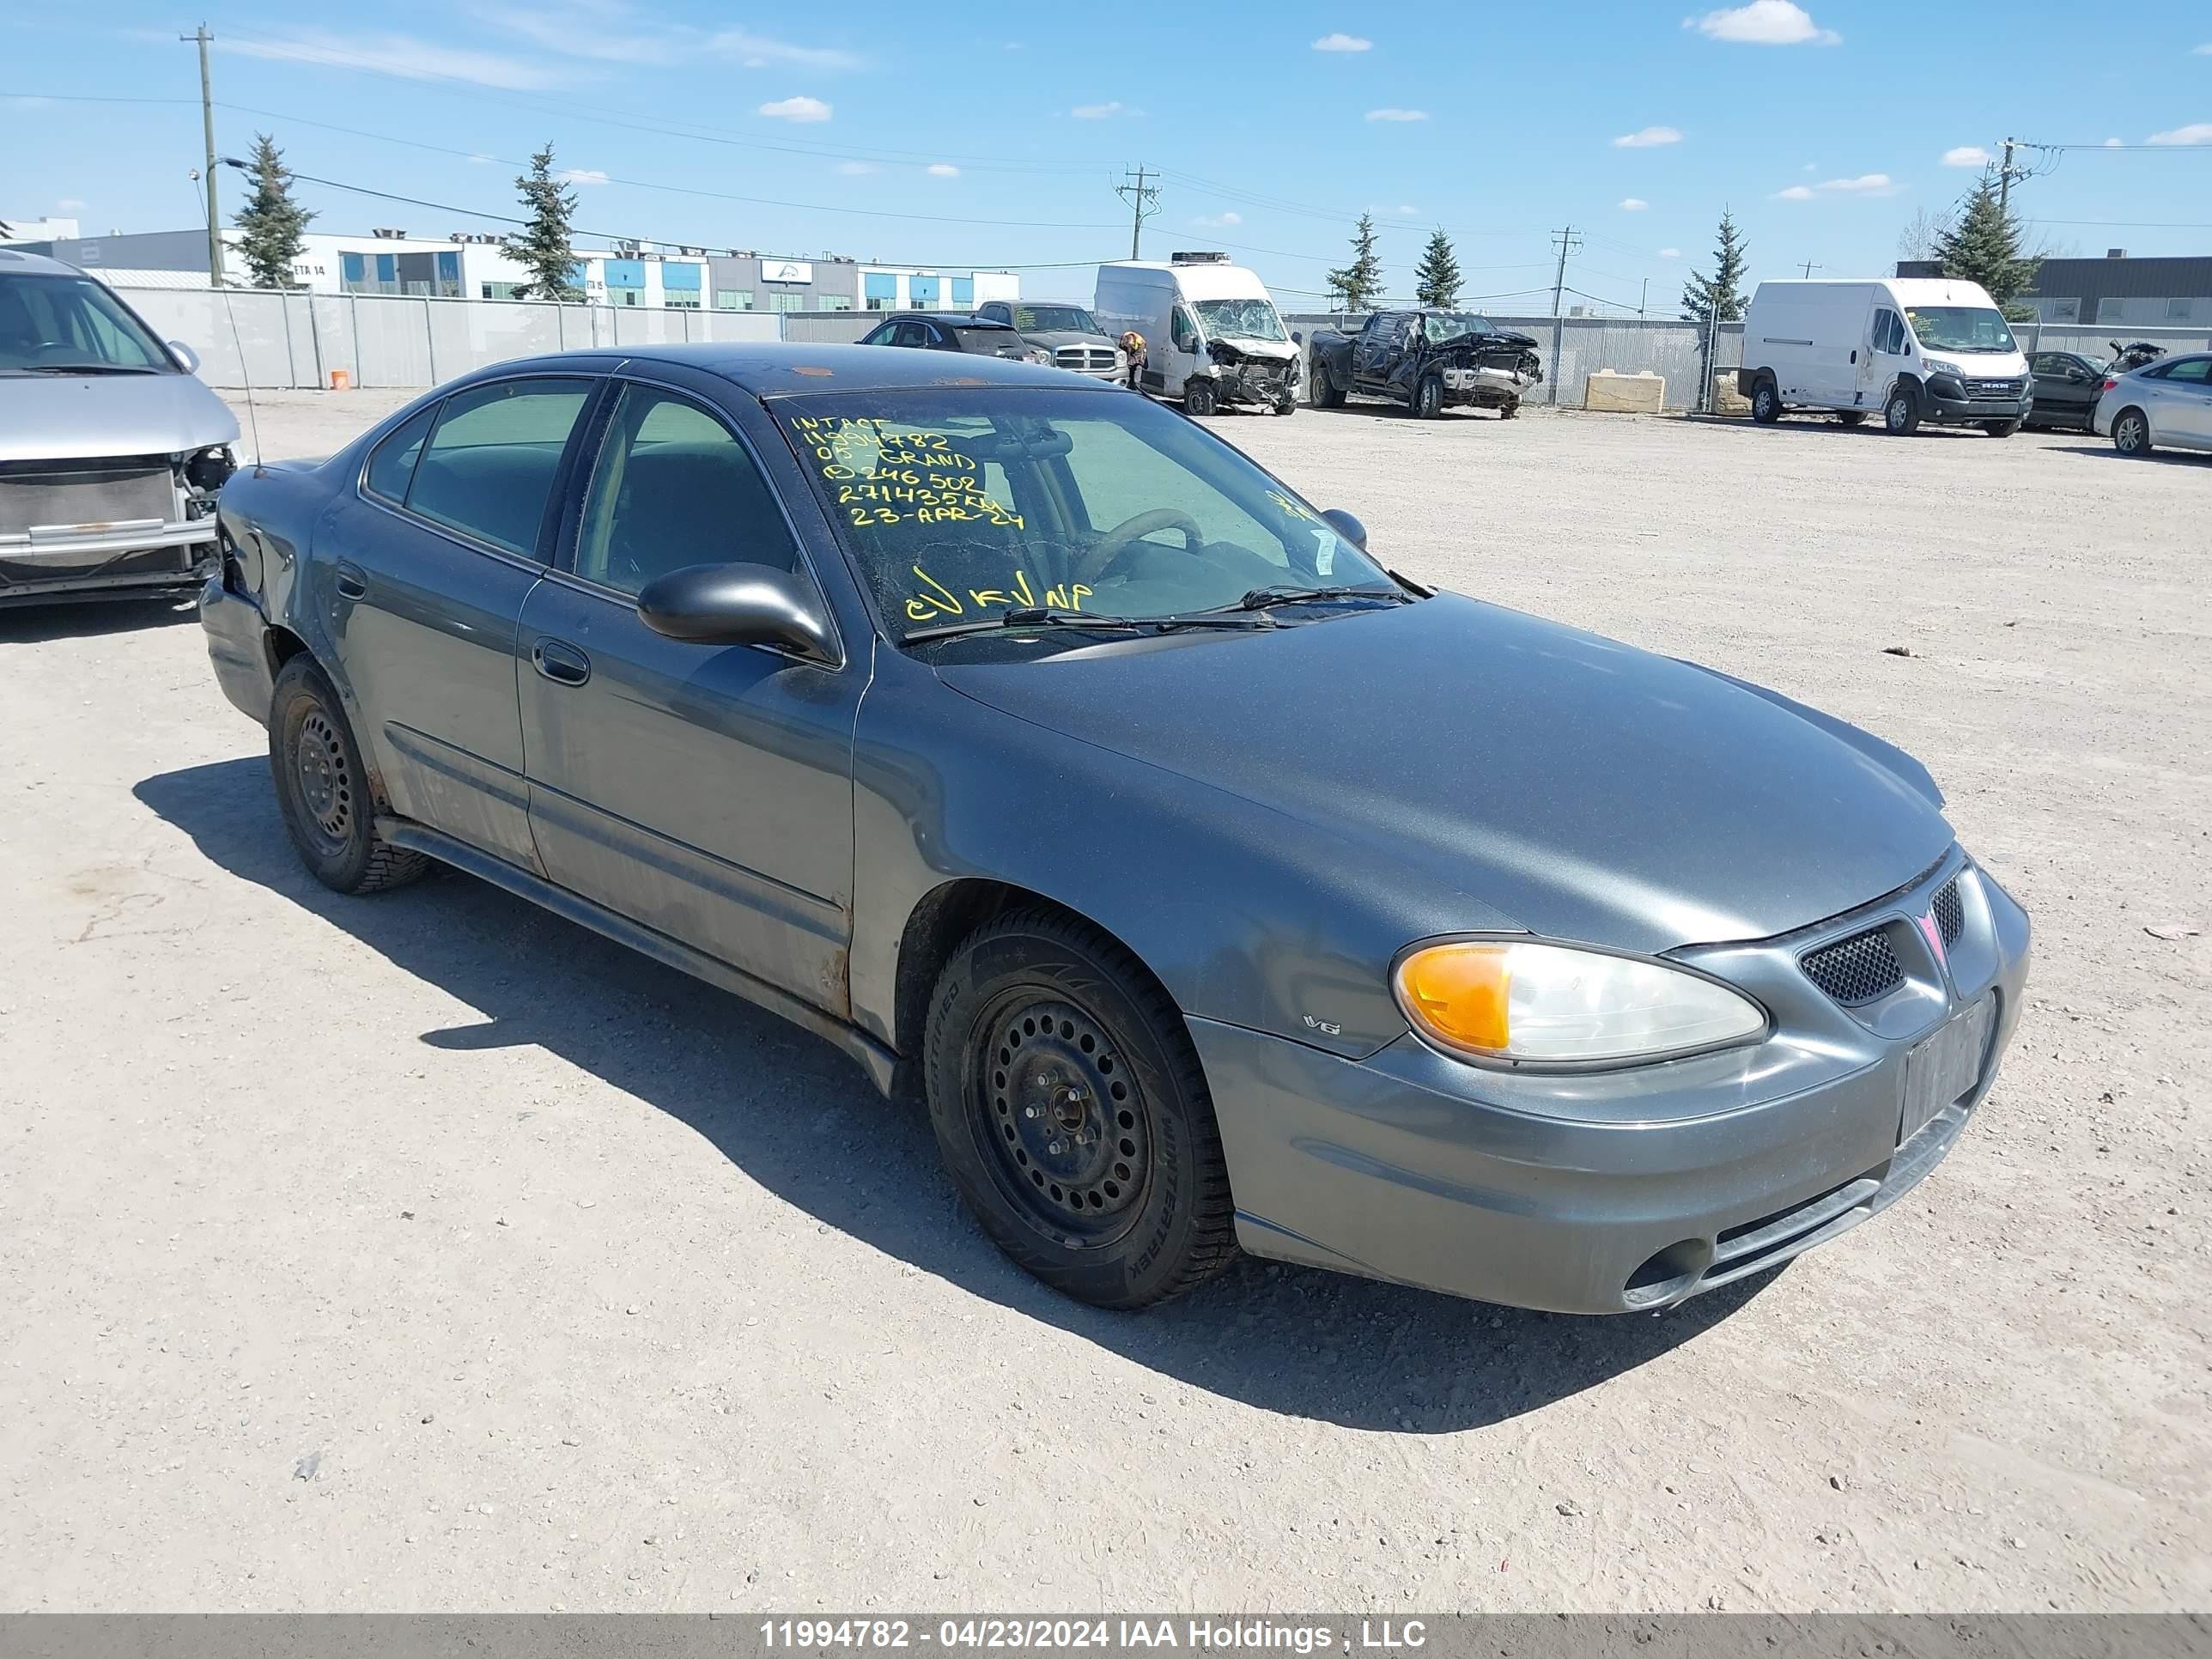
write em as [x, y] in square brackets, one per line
[1643, 393]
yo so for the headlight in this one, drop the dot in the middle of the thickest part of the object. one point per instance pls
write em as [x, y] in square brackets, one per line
[1039, 354]
[1937, 365]
[1518, 1002]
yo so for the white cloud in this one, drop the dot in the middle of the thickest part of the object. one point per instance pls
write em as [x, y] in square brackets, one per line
[1670, 253]
[1226, 221]
[943, 170]
[70, 204]
[2111, 143]
[2204, 51]
[1097, 111]
[857, 169]
[1648, 138]
[801, 110]
[1966, 155]
[1810, 166]
[1866, 183]
[1795, 194]
[404, 55]
[1764, 23]
[758, 50]
[2197, 133]
[1397, 115]
[605, 30]
[581, 176]
[1340, 41]
[1633, 204]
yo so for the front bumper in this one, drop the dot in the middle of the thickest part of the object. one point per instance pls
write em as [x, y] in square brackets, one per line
[237, 645]
[1944, 410]
[1483, 387]
[1267, 384]
[1622, 1191]
[117, 562]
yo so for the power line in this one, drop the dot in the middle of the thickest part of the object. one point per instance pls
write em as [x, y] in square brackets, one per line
[1144, 202]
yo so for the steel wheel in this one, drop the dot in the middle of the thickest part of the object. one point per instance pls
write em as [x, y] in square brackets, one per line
[1063, 1117]
[325, 781]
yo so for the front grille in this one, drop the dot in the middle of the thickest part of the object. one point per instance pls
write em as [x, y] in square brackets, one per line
[1855, 970]
[63, 494]
[1084, 357]
[1994, 388]
[1950, 913]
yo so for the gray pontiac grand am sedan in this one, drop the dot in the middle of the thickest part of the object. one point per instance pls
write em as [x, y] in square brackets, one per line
[1217, 887]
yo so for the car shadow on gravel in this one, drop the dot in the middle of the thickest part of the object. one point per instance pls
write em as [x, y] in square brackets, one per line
[799, 1117]
[34, 624]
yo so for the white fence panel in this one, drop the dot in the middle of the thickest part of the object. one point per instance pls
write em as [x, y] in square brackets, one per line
[826, 327]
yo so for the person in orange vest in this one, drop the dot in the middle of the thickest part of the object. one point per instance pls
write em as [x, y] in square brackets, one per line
[1132, 348]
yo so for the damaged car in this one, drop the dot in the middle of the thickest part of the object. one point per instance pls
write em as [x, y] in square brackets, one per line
[1427, 360]
[112, 450]
[1213, 337]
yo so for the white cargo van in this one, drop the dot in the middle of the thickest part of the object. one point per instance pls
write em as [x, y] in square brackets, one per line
[1916, 349]
[1213, 336]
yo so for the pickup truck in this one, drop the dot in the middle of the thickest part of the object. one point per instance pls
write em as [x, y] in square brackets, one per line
[1429, 361]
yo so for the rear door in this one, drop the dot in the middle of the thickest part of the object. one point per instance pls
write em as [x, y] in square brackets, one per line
[427, 567]
[702, 790]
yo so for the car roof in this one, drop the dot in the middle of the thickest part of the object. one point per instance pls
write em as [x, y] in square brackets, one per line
[770, 368]
[949, 318]
[16, 263]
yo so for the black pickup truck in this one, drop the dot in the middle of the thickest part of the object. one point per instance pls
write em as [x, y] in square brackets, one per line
[1429, 361]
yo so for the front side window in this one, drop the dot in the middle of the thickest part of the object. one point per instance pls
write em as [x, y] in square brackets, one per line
[957, 503]
[73, 325]
[391, 464]
[1960, 328]
[673, 487]
[488, 468]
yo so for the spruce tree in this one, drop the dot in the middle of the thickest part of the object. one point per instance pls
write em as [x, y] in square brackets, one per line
[541, 248]
[270, 224]
[1436, 278]
[1721, 296]
[1360, 283]
[1982, 245]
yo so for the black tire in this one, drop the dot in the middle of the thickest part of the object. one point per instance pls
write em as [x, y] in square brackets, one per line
[322, 787]
[2001, 429]
[1429, 398]
[1288, 406]
[1200, 397]
[1326, 392]
[1900, 416]
[1507, 411]
[1091, 1155]
[2131, 433]
[1766, 402]
[1852, 417]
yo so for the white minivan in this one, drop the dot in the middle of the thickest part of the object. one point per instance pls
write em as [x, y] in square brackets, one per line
[1213, 336]
[1916, 348]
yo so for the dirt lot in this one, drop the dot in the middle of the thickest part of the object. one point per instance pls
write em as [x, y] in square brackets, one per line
[426, 1252]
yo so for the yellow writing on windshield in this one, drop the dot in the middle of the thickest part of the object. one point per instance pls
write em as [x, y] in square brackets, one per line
[1295, 509]
[936, 599]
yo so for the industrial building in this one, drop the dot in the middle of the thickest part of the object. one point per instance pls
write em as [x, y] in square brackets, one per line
[2115, 291]
[478, 266]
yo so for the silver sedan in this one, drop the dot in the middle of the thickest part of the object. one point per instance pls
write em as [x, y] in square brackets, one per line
[2167, 403]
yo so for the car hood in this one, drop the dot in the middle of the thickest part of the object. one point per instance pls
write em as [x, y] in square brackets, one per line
[56, 417]
[1276, 351]
[1057, 337]
[1587, 789]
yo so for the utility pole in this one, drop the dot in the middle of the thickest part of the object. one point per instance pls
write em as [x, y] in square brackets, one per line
[1642, 294]
[1142, 199]
[1810, 268]
[207, 129]
[1567, 242]
[2006, 174]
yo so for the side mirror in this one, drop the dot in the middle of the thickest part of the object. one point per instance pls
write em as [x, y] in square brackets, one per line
[187, 359]
[1346, 527]
[737, 605]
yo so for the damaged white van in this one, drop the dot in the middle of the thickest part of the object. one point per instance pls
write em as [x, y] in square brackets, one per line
[1213, 336]
[1916, 349]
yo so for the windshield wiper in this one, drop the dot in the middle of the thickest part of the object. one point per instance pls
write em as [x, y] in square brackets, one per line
[1038, 615]
[87, 368]
[1262, 599]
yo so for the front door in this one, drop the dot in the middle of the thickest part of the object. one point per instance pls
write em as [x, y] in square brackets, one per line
[429, 567]
[1182, 353]
[1377, 347]
[1880, 360]
[702, 790]
[2184, 414]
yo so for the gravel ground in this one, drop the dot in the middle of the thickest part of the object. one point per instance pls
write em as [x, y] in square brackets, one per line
[425, 1252]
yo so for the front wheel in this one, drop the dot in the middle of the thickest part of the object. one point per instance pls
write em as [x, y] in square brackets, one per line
[1766, 404]
[1900, 416]
[2131, 433]
[1071, 1112]
[1429, 398]
[2001, 429]
[1327, 393]
[1509, 409]
[322, 787]
[1200, 397]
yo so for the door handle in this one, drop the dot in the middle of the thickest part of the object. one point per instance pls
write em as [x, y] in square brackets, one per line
[1855, 356]
[352, 584]
[560, 662]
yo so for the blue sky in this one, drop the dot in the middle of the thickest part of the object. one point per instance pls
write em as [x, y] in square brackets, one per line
[993, 135]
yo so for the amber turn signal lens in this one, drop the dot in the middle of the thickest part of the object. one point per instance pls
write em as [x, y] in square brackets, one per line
[1461, 991]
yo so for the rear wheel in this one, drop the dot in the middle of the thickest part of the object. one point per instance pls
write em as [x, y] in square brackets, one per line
[1509, 409]
[1200, 397]
[2131, 433]
[1429, 398]
[1071, 1112]
[322, 787]
[1766, 404]
[2001, 429]
[1900, 416]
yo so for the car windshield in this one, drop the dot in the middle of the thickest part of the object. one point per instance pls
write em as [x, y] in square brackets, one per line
[51, 324]
[1442, 325]
[1054, 319]
[1243, 319]
[956, 504]
[1959, 328]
